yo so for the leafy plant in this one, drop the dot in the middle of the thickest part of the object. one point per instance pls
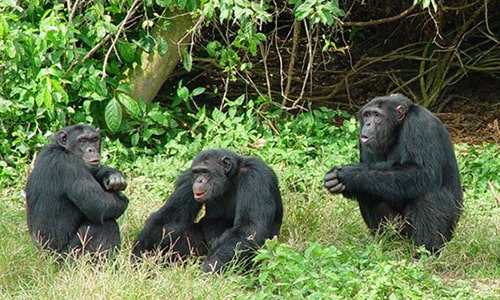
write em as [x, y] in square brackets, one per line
[479, 165]
[248, 16]
[56, 69]
[317, 11]
[46, 79]
[321, 272]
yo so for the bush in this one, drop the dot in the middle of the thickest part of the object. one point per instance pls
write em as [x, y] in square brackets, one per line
[321, 272]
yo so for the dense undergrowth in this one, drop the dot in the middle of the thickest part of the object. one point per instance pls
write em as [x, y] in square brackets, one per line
[324, 251]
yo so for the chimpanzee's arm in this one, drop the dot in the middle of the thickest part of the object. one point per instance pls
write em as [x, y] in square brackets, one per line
[163, 227]
[391, 181]
[110, 179]
[96, 203]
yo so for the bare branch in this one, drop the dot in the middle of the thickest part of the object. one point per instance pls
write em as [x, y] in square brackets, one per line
[380, 21]
[130, 12]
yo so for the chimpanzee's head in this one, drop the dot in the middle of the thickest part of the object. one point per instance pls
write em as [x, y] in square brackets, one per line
[213, 172]
[380, 121]
[82, 141]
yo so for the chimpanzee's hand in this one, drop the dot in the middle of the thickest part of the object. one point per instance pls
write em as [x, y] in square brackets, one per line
[332, 181]
[114, 182]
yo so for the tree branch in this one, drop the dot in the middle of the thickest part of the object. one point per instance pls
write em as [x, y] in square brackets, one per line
[130, 12]
[379, 21]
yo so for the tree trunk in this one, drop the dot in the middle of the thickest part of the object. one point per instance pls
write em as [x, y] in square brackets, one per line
[147, 78]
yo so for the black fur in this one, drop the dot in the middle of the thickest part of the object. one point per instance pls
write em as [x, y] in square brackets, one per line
[73, 206]
[243, 208]
[411, 174]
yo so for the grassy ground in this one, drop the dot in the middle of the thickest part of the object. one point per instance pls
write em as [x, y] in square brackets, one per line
[324, 252]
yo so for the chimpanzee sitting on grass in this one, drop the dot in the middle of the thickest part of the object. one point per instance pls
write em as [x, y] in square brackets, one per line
[407, 170]
[72, 201]
[242, 209]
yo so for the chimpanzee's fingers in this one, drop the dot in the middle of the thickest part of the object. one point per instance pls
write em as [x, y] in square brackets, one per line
[331, 175]
[339, 188]
[332, 183]
[115, 182]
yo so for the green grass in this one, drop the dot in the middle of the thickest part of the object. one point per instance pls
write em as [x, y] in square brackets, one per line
[324, 252]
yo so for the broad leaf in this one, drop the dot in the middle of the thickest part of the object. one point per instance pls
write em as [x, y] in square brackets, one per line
[113, 115]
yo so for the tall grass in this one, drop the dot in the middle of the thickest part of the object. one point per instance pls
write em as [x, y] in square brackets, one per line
[324, 252]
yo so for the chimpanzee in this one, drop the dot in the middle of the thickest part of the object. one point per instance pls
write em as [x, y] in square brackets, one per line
[72, 201]
[407, 170]
[243, 208]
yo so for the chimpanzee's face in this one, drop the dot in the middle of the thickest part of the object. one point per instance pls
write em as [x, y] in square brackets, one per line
[379, 126]
[210, 180]
[82, 141]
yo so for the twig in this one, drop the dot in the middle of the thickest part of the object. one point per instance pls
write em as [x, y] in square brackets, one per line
[293, 56]
[264, 53]
[309, 55]
[73, 10]
[379, 21]
[190, 34]
[92, 51]
[278, 53]
[130, 12]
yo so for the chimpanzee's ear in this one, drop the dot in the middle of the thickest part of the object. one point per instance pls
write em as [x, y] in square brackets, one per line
[62, 139]
[227, 164]
[401, 112]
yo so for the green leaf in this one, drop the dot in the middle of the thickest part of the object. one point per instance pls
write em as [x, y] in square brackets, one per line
[113, 115]
[129, 104]
[303, 11]
[126, 51]
[181, 3]
[187, 61]
[4, 28]
[191, 5]
[134, 139]
[148, 44]
[57, 88]
[183, 93]
[163, 3]
[44, 97]
[162, 46]
[260, 36]
[198, 91]
[213, 48]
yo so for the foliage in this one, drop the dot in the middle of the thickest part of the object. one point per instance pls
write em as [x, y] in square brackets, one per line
[63, 62]
[320, 272]
[479, 166]
[56, 71]
[307, 35]
[317, 11]
[46, 81]
[248, 17]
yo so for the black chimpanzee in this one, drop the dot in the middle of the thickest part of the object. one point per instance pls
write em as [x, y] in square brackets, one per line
[407, 170]
[243, 208]
[72, 201]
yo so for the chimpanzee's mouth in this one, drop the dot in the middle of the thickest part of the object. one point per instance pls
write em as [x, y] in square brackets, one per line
[200, 195]
[93, 162]
[363, 138]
